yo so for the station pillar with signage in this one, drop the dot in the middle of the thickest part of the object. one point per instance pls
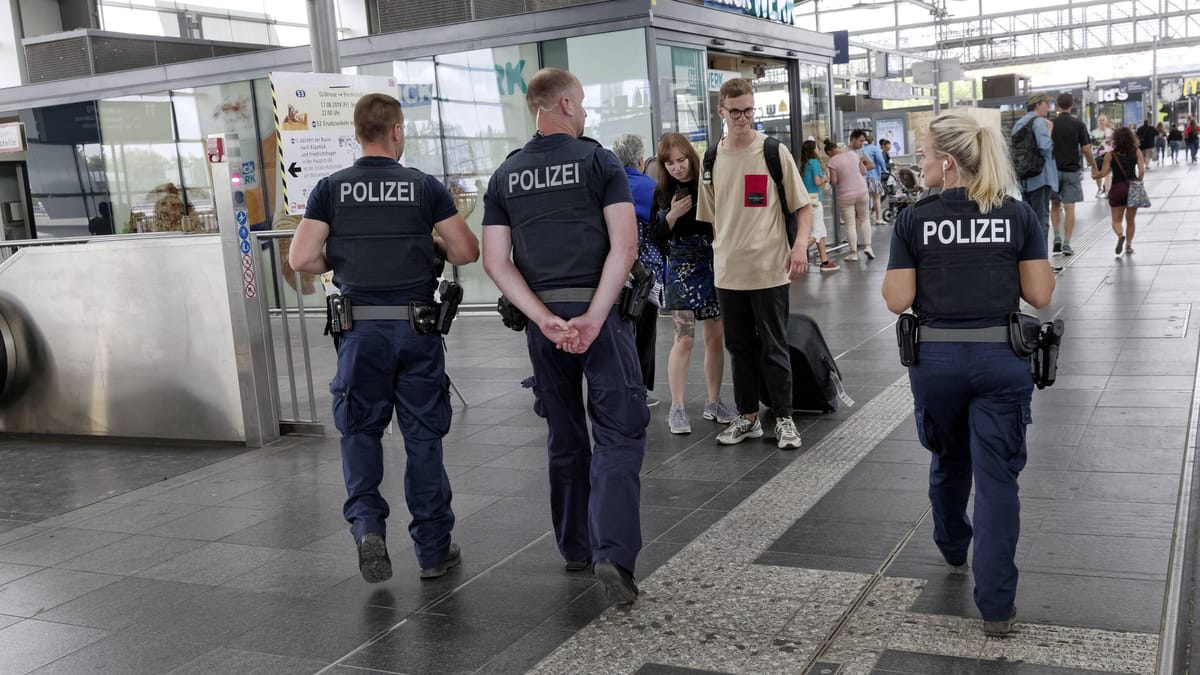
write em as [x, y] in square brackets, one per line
[256, 367]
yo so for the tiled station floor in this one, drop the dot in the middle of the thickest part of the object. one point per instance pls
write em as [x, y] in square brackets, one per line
[171, 558]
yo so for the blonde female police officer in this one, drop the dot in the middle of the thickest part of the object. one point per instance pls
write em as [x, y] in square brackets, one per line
[559, 238]
[962, 260]
[371, 224]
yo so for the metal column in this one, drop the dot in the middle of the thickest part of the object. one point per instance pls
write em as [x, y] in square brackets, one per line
[322, 31]
[257, 381]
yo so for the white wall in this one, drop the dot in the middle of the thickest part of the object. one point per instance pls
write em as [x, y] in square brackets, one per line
[10, 42]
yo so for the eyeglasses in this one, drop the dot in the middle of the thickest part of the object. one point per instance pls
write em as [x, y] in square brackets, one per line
[735, 113]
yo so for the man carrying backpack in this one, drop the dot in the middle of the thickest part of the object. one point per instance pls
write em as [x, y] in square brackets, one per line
[1032, 148]
[754, 263]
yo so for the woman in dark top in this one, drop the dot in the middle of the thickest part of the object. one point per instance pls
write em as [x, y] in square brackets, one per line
[691, 294]
[1175, 140]
[1125, 163]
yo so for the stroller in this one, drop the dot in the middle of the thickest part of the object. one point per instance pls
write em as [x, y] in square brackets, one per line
[900, 189]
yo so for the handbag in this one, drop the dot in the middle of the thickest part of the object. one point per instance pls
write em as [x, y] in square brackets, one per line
[1137, 199]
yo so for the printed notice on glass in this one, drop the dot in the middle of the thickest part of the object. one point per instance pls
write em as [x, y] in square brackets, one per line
[12, 137]
[314, 117]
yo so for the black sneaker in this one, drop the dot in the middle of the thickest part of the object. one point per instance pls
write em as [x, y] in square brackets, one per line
[453, 559]
[373, 560]
[618, 582]
[1058, 246]
[577, 565]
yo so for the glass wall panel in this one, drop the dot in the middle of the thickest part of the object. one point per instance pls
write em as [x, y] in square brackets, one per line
[483, 119]
[614, 72]
[815, 124]
[682, 94]
[141, 162]
[229, 109]
[67, 179]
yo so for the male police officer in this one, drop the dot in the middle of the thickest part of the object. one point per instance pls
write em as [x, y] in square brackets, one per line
[374, 221]
[561, 208]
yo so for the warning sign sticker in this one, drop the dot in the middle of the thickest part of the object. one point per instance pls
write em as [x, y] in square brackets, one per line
[314, 117]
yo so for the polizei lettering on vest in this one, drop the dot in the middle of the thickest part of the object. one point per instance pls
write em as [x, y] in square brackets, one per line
[973, 231]
[553, 176]
[365, 192]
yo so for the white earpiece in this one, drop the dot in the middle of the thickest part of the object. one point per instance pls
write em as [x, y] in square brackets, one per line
[945, 165]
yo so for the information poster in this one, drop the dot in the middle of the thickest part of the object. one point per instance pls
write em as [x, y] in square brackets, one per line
[314, 116]
[892, 130]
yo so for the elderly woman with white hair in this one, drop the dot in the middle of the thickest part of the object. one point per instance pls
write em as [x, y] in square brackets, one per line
[630, 150]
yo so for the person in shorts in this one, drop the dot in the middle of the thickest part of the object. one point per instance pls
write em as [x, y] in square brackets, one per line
[1071, 141]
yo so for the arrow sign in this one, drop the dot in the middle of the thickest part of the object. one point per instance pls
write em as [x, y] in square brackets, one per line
[294, 170]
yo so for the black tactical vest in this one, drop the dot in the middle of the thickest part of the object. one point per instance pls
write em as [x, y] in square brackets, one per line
[553, 195]
[381, 234]
[967, 262]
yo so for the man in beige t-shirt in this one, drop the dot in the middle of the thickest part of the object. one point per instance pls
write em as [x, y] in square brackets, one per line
[753, 265]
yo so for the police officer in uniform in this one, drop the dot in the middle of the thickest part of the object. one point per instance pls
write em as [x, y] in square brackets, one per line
[962, 260]
[372, 224]
[559, 238]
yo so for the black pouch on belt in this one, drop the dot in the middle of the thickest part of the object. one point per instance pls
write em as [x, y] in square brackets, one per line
[906, 338]
[422, 317]
[637, 291]
[1023, 331]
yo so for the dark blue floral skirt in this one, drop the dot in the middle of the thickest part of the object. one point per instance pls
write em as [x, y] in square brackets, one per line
[690, 276]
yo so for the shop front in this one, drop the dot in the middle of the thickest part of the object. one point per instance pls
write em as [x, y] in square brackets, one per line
[136, 152]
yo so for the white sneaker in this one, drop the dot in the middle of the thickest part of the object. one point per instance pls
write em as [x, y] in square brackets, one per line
[718, 412]
[678, 421]
[870, 253]
[739, 430]
[852, 258]
[785, 432]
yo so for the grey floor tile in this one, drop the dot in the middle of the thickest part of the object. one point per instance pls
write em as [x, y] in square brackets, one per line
[294, 529]
[11, 572]
[125, 603]
[1117, 519]
[876, 475]
[128, 654]
[1142, 398]
[1127, 459]
[900, 452]
[658, 519]
[1125, 487]
[211, 523]
[210, 491]
[311, 631]
[212, 564]
[526, 652]
[678, 492]
[55, 546]
[131, 555]
[31, 595]
[514, 599]
[138, 517]
[861, 504]
[819, 562]
[501, 482]
[910, 663]
[30, 644]
[224, 661]
[729, 498]
[1083, 554]
[841, 538]
[299, 573]
[1140, 417]
[692, 526]
[439, 644]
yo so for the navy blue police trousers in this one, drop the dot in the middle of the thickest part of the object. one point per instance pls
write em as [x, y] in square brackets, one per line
[595, 492]
[384, 365]
[971, 405]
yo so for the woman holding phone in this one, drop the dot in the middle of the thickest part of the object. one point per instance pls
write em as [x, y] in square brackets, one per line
[691, 295]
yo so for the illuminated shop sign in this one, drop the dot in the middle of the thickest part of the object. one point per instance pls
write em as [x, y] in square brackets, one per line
[781, 11]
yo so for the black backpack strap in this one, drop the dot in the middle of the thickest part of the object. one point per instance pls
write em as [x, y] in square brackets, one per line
[775, 168]
[710, 158]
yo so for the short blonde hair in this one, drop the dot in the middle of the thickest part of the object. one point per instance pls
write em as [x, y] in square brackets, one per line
[981, 155]
[736, 87]
[547, 86]
[374, 117]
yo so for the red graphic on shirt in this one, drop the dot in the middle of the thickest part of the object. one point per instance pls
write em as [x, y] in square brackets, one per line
[756, 190]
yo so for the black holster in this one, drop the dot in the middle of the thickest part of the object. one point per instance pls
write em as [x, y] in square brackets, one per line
[1031, 338]
[906, 338]
[511, 316]
[423, 317]
[450, 295]
[637, 291]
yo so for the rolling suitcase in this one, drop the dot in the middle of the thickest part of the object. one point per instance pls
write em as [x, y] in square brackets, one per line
[816, 380]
